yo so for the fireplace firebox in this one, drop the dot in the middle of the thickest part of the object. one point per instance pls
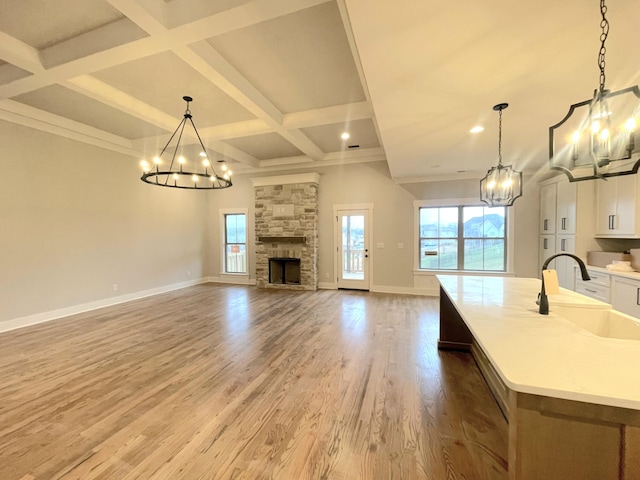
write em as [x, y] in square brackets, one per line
[283, 270]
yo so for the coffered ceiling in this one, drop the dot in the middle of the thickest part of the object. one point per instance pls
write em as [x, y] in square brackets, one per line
[275, 82]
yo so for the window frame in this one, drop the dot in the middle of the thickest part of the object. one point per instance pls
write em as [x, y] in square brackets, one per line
[463, 202]
[223, 235]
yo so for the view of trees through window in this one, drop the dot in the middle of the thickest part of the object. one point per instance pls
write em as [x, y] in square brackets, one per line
[463, 238]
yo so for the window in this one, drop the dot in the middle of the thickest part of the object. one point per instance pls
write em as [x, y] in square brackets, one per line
[235, 243]
[463, 238]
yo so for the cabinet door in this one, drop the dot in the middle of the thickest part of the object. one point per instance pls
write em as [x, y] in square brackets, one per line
[624, 220]
[564, 265]
[566, 207]
[617, 201]
[625, 296]
[547, 248]
[606, 206]
[548, 209]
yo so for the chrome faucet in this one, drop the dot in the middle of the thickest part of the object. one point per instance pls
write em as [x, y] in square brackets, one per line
[543, 301]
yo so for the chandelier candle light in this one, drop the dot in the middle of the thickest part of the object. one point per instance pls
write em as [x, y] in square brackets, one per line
[178, 172]
[596, 139]
[502, 184]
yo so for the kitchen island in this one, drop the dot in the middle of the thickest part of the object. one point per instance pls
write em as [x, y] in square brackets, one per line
[572, 398]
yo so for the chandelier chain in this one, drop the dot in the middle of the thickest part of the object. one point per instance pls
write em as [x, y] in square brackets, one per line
[604, 26]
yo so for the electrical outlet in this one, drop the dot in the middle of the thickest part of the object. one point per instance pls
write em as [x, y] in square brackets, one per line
[115, 287]
[188, 273]
[326, 275]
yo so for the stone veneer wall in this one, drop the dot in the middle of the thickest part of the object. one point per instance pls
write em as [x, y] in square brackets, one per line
[303, 223]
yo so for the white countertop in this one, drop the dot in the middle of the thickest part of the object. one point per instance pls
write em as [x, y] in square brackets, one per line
[545, 354]
[632, 275]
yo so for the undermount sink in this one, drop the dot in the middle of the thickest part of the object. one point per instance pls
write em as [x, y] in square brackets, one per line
[602, 322]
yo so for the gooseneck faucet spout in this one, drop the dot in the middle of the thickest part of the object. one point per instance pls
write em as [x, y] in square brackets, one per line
[543, 300]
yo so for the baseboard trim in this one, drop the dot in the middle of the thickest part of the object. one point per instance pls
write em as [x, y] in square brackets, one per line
[42, 317]
[327, 285]
[404, 290]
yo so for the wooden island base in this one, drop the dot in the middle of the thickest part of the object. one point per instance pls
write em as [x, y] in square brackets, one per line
[552, 438]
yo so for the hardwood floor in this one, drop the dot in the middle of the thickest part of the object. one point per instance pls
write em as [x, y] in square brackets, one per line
[234, 382]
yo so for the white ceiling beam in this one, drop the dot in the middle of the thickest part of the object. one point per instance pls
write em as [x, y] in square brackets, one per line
[339, 158]
[245, 15]
[328, 115]
[20, 54]
[303, 119]
[105, 93]
[28, 116]
[375, 153]
[140, 15]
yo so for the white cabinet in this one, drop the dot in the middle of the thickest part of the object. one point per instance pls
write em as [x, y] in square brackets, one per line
[548, 209]
[598, 287]
[625, 295]
[566, 196]
[547, 248]
[618, 210]
[565, 265]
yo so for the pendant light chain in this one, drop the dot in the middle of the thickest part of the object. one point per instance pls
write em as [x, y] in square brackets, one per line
[604, 25]
[500, 137]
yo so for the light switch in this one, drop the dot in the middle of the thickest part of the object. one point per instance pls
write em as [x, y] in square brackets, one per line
[380, 245]
[400, 245]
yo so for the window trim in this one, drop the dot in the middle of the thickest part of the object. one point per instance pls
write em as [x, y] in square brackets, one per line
[461, 202]
[223, 212]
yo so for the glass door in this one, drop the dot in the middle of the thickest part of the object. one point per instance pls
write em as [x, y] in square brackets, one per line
[353, 249]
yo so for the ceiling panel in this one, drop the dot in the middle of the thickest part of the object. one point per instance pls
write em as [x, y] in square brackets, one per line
[161, 80]
[266, 146]
[43, 23]
[9, 73]
[299, 61]
[69, 104]
[180, 12]
[327, 137]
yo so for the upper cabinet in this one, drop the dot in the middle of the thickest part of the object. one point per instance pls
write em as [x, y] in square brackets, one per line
[548, 209]
[566, 208]
[618, 210]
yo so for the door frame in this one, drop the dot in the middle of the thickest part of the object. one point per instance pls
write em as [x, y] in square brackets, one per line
[337, 238]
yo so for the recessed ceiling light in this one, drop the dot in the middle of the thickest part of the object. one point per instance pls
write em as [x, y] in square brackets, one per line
[345, 135]
[476, 129]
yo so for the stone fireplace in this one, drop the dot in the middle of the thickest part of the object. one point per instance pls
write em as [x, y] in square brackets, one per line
[286, 231]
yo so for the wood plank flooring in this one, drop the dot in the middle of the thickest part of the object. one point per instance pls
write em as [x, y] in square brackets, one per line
[235, 382]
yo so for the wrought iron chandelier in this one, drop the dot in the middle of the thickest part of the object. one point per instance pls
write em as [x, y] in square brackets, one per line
[178, 172]
[502, 184]
[596, 139]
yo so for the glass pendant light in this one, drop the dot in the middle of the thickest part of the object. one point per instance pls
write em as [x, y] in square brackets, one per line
[502, 184]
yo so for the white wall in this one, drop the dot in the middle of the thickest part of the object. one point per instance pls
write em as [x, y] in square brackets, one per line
[76, 220]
